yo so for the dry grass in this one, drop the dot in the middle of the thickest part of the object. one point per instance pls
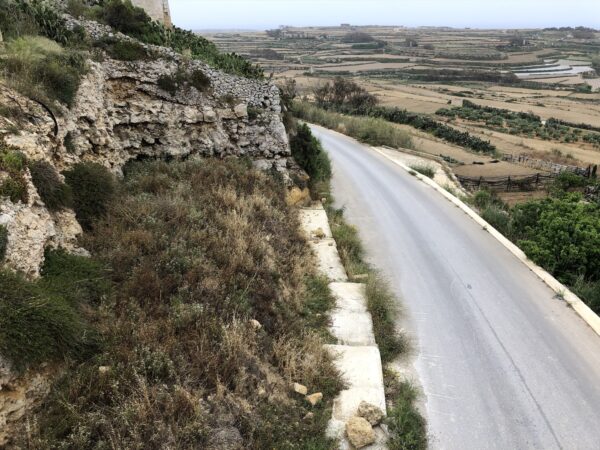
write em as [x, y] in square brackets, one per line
[196, 251]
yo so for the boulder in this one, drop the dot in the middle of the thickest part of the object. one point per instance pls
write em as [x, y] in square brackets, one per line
[373, 414]
[360, 432]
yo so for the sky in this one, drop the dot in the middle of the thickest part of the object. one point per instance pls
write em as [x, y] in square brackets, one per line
[264, 14]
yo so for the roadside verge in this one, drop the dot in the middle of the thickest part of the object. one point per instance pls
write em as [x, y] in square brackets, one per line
[584, 311]
[360, 408]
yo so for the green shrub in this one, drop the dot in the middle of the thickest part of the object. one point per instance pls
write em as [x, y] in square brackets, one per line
[308, 153]
[496, 217]
[14, 163]
[424, 169]
[199, 80]
[123, 50]
[54, 193]
[254, 112]
[14, 22]
[3, 241]
[568, 180]
[589, 291]
[182, 79]
[36, 327]
[407, 427]
[69, 144]
[31, 17]
[367, 129]
[78, 279]
[43, 70]
[562, 235]
[14, 188]
[93, 187]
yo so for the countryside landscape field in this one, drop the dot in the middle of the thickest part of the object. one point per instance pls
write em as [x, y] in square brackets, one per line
[527, 78]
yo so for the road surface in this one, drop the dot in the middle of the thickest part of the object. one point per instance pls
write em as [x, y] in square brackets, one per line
[502, 362]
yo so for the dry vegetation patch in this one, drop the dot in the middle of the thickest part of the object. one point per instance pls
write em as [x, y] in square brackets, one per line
[210, 318]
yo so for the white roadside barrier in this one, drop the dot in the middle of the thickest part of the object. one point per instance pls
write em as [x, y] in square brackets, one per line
[584, 311]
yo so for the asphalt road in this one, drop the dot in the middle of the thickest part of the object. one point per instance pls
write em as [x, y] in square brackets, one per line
[502, 362]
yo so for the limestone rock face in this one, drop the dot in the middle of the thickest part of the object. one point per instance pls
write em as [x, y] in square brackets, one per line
[121, 113]
[32, 228]
[18, 394]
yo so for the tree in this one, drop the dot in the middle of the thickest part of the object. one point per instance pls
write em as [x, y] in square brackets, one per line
[344, 93]
[276, 33]
[357, 37]
[562, 234]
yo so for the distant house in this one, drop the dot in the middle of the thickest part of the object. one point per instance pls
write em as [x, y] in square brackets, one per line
[346, 25]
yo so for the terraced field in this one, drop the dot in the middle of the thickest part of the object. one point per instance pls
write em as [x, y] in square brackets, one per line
[548, 73]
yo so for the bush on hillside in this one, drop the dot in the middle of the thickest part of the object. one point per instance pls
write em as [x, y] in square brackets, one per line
[54, 193]
[183, 79]
[562, 235]
[14, 163]
[134, 22]
[76, 278]
[42, 69]
[3, 241]
[36, 326]
[357, 37]
[123, 50]
[344, 93]
[309, 154]
[93, 187]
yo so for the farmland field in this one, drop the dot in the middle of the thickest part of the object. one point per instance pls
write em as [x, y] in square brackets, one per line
[546, 75]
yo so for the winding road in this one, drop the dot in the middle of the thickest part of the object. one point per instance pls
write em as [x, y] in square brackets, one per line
[503, 363]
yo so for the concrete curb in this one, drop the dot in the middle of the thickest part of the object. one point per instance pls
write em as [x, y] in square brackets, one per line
[356, 354]
[584, 311]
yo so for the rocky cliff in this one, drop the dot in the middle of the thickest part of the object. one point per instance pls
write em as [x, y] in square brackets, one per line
[166, 106]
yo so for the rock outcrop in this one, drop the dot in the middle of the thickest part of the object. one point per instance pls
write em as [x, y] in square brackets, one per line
[19, 393]
[122, 113]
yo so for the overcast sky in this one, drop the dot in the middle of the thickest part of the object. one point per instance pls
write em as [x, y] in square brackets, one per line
[263, 14]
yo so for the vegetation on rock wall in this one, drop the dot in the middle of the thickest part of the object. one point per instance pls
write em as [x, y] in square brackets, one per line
[13, 185]
[3, 241]
[309, 154]
[93, 187]
[38, 323]
[42, 69]
[55, 194]
[134, 22]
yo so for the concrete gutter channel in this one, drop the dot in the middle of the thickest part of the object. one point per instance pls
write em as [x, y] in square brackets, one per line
[356, 353]
[584, 311]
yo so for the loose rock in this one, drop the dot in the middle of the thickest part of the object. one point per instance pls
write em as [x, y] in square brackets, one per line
[300, 389]
[360, 432]
[315, 398]
[371, 413]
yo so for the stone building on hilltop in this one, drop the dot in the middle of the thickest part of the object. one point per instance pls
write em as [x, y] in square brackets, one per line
[157, 9]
